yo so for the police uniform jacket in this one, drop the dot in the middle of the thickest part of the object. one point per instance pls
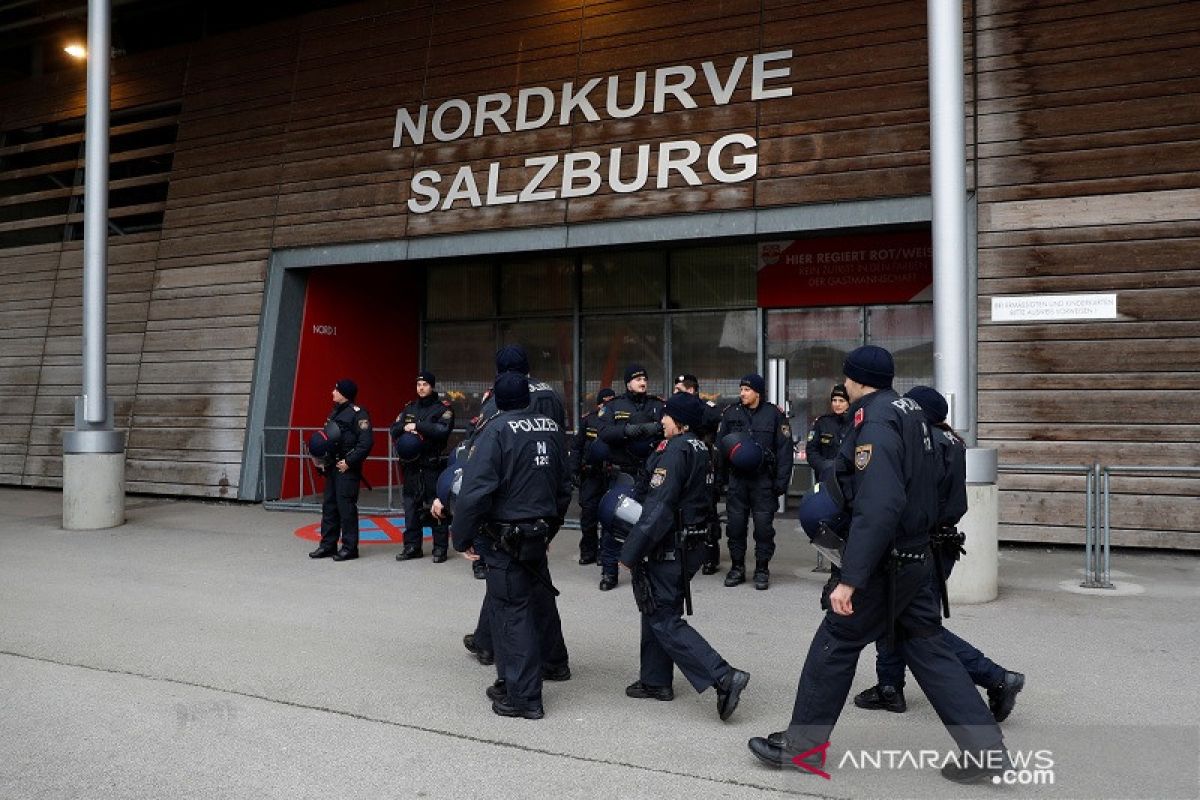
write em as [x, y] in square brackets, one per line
[769, 427]
[676, 488]
[515, 471]
[542, 400]
[589, 431]
[824, 440]
[355, 440]
[887, 470]
[952, 476]
[434, 419]
[617, 415]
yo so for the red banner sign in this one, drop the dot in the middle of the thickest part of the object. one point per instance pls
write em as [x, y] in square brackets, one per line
[845, 270]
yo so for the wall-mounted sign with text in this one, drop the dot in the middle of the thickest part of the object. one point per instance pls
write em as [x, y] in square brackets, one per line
[846, 270]
[731, 158]
[1054, 307]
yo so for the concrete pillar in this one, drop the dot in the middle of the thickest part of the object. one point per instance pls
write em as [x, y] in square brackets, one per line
[975, 578]
[93, 490]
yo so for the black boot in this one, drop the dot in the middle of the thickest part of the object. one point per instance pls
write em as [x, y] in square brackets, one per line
[1002, 697]
[729, 691]
[737, 573]
[762, 575]
[882, 698]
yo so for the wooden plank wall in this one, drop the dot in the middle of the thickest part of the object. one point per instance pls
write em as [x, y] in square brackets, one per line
[1086, 177]
[1089, 181]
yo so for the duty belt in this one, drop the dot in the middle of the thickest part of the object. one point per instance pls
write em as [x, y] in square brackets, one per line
[901, 557]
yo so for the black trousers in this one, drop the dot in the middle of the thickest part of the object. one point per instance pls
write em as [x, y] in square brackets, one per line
[746, 497]
[526, 628]
[339, 509]
[667, 640]
[591, 488]
[420, 490]
[833, 656]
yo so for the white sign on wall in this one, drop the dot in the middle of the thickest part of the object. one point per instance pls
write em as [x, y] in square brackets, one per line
[1053, 307]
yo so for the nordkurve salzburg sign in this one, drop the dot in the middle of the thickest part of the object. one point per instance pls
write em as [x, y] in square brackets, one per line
[729, 159]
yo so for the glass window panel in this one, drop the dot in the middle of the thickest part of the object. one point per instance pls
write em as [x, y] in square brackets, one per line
[548, 342]
[714, 277]
[611, 343]
[624, 279]
[718, 348]
[460, 291]
[541, 285]
[907, 331]
[462, 356]
[815, 343]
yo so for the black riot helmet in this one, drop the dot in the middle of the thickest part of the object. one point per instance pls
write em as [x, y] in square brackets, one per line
[619, 511]
[742, 452]
[408, 445]
[449, 483]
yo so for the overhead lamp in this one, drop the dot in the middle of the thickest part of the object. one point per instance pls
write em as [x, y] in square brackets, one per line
[75, 50]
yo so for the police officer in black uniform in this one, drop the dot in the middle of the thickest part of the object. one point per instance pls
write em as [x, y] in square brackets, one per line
[516, 488]
[542, 400]
[631, 426]
[826, 434]
[707, 431]
[665, 549]
[429, 421]
[342, 468]
[589, 469]
[755, 493]
[1002, 685]
[887, 472]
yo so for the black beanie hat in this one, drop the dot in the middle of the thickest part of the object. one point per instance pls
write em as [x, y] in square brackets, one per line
[511, 391]
[427, 376]
[512, 358]
[685, 408]
[839, 390]
[634, 371]
[931, 402]
[755, 382]
[605, 395]
[348, 388]
[870, 365]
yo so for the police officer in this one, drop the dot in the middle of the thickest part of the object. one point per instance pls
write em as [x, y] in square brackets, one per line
[826, 434]
[707, 431]
[589, 468]
[515, 491]
[342, 467]
[423, 428]
[756, 492]
[665, 550]
[631, 426]
[887, 472]
[542, 400]
[1002, 685]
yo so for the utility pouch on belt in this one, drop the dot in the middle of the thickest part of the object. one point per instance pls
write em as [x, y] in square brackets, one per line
[525, 541]
[950, 540]
[640, 582]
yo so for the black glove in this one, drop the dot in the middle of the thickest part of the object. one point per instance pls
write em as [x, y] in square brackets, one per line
[643, 430]
[780, 489]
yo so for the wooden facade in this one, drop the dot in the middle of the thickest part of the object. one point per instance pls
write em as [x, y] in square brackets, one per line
[1082, 146]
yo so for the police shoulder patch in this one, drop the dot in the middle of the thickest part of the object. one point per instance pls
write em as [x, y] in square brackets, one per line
[859, 416]
[363, 424]
[785, 429]
[660, 475]
[862, 456]
[811, 434]
[601, 412]
[447, 414]
[661, 446]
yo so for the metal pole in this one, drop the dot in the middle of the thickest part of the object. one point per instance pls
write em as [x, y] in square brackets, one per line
[947, 161]
[1089, 526]
[95, 214]
[1106, 536]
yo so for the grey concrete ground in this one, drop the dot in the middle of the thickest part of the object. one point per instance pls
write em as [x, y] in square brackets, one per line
[197, 652]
